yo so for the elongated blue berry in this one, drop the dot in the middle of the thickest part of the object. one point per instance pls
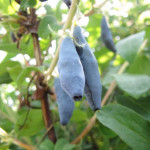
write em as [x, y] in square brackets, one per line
[65, 103]
[43, 0]
[107, 36]
[68, 3]
[93, 87]
[72, 77]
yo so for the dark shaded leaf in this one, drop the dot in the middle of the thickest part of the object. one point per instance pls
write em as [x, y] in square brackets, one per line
[5, 78]
[60, 144]
[141, 106]
[69, 147]
[46, 145]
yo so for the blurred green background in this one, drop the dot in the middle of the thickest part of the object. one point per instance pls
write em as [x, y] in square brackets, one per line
[124, 123]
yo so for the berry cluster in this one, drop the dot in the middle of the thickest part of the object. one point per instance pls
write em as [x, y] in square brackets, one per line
[78, 76]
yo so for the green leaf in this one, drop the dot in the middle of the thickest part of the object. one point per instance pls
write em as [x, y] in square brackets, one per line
[143, 64]
[7, 109]
[49, 10]
[128, 47]
[60, 144]
[46, 145]
[5, 9]
[130, 126]
[68, 147]
[47, 25]
[134, 85]
[25, 73]
[8, 57]
[11, 48]
[6, 124]
[94, 28]
[141, 106]
[5, 78]
[7, 64]
[107, 132]
[14, 71]
[58, 11]
[27, 3]
[33, 124]
[108, 78]
[4, 146]
[106, 144]
[78, 116]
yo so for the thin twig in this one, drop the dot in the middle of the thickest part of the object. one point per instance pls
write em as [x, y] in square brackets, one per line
[143, 45]
[27, 95]
[26, 117]
[8, 138]
[45, 134]
[27, 101]
[37, 50]
[113, 84]
[44, 99]
[93, 10]
[47, 117]
[23, 145]
[93, 119]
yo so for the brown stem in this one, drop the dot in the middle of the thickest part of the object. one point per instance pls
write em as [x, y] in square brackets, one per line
[18, 1]
[93, 10]
[47, 117]
[93, 119]
[85, 131]
[8, 138]
[44, 98]
[23, 145]
[37, 51]
[27, 94]
[89, 13]
[44, 136]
